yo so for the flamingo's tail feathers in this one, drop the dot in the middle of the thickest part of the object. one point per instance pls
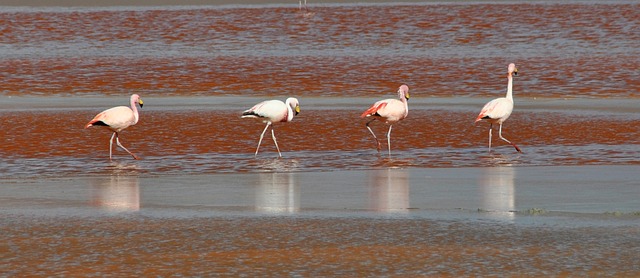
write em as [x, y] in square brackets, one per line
[97, 120]
[481, 117]
[92, 123]
[373, 110]
[249, 114]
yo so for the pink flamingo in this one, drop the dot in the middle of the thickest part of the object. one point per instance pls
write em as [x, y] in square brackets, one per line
[390, 111]
[498, 110]
[117, 119]
[272, 111]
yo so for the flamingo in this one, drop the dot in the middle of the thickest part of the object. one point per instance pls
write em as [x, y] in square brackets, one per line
[117, 119]
[272, 111]
[390, 111]
[498, 110]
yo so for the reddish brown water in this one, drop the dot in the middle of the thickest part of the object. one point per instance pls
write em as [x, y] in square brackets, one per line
[314, 247]
[196, 68]
[214, 141]
[452, 50]
[456, 52]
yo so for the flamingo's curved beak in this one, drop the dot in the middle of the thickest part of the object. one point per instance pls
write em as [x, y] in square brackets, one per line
[140, 102]
[515, 72]
[297, 109]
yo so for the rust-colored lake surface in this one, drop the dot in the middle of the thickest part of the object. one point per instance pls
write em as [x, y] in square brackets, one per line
[200, 203]
[198, 67]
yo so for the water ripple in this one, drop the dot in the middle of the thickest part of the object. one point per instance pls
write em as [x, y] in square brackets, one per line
[307, 161]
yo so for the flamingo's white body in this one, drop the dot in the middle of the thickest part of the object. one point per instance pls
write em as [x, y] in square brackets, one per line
[117, 119]
[272, 111]
[390, 111]
[498, 110]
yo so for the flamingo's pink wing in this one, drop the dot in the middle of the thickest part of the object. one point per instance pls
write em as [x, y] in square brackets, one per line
[496, 109]
[374, 109]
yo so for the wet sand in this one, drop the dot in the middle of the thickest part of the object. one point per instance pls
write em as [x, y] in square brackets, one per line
[523, 221]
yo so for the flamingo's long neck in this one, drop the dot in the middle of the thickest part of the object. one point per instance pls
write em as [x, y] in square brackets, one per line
[290, 112]
[403, 98]
[135, 110]
[510, 87]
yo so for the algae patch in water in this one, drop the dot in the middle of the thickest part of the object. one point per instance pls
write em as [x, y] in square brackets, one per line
[620, 213]
[533, 211]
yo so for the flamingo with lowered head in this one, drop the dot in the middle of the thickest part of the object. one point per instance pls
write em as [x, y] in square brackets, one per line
[117, 119]
[498, 110]
[272, 111]
[390, 111]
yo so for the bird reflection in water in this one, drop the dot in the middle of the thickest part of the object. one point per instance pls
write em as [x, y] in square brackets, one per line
[117, 193]
[389, 190]
[498, 191]
[277, 193]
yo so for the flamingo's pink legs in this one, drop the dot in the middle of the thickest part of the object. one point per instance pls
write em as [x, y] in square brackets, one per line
[505, 139]
[378, 146]
[115, 134]
[273, 135]
[500, 135]
[389, 139]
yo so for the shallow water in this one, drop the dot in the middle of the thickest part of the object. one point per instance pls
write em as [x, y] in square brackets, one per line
[497, 193]
[199, 203]
[438, 49]
[313, 247]
[206, 64]
[452, 221]
[172, 140]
